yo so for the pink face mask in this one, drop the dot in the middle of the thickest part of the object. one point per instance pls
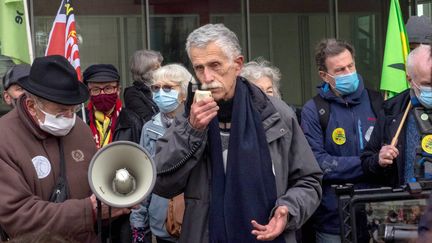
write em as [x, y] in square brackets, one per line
[104, 102]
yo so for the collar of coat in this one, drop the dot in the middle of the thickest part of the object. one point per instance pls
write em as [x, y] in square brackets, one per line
[274, 126]
[28, 120]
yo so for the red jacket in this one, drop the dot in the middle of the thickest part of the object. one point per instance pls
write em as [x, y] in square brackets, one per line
[29, 168]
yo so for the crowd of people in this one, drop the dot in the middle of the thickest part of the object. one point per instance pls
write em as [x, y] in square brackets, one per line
[243, 165]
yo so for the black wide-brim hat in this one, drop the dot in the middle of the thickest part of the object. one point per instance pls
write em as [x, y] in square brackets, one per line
[55, 79]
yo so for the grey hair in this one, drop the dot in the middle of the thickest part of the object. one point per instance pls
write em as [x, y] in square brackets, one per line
[142, 64]
[214, 33]
[175, 73]
[328, 48]
[418, 56]
[259, 68]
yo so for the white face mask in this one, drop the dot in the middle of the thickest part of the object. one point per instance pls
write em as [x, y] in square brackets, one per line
[57, 126]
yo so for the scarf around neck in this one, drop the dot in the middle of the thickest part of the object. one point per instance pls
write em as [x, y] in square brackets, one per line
[103, 126]
[247, 190]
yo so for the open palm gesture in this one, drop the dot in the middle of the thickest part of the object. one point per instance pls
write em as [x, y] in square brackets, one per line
[274, 228]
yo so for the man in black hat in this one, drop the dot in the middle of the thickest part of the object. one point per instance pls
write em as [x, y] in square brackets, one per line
[103, 82]
[11, 90]
[45, 152]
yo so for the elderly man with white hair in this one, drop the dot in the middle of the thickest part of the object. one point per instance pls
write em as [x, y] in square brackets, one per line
[405, 161]
[240, 157]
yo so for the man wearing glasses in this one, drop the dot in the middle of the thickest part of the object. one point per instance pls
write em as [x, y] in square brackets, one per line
[103, 82]
[43, 146]
[408, 160]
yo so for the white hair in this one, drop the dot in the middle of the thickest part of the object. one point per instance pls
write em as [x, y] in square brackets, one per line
[418, 56]
[176, 73]
[259, 68]
[214, 33]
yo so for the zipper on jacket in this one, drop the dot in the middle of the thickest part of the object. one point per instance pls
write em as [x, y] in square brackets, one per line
[360, 134]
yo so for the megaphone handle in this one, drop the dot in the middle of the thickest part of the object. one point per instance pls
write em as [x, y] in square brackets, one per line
[109, 224]
[99, 219]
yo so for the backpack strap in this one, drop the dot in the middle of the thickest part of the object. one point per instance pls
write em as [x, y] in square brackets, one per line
[376, 100]
[323, 109]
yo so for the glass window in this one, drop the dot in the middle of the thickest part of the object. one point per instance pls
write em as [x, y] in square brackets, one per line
[169, 33]
[362, 26]
[285, 33]
[424, 7]
[172, 21]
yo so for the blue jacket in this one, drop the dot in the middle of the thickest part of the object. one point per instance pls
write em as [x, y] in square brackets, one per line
[154, 208]
[338, 157]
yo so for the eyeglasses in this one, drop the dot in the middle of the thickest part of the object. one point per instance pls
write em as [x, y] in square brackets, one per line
[166, 88]
[65, 112]
[106, 90]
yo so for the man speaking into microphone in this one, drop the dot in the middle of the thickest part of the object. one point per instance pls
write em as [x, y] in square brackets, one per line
[250, 174]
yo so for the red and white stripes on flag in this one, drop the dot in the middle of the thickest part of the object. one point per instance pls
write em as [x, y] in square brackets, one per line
[63, 37]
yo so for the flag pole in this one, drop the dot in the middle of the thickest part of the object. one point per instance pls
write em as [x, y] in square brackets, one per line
[83, 113]
[29, 39]
[395, 138]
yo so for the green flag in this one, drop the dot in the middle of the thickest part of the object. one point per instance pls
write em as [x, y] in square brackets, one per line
[13, 31]
[393, 77]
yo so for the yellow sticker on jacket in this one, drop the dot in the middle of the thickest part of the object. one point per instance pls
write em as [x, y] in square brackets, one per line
[338, 136]
[427, 144]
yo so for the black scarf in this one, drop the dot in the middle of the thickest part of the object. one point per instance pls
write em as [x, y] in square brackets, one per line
[247, 190]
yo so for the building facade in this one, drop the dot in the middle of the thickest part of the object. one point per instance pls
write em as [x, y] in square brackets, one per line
[283, 32]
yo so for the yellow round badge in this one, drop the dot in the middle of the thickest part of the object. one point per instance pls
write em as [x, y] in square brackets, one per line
[427, 144]
[338, 136]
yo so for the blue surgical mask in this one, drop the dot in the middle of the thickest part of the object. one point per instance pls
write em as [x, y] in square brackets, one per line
[346, 83]
[166, 101]
[425, 96]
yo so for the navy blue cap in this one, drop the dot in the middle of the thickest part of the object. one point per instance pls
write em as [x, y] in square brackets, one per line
[101, 73]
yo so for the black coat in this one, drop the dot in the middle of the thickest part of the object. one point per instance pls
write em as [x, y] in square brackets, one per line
[386, 126]
[128, 126]
[139, 99]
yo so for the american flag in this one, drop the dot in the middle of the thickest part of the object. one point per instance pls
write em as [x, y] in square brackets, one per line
[63, 37]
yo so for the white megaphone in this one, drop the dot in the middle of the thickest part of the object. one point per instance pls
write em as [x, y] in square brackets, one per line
[122, 174]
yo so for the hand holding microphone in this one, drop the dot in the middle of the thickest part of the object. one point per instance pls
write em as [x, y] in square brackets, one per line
[203, 110]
